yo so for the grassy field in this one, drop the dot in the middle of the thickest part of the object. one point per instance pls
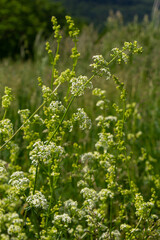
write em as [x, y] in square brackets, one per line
[119, 154]
[141, 77]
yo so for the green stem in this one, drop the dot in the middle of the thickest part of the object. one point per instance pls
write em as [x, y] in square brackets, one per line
[110, 227]
[76, 58]
[4, 116]
[54, 64]
[35, 180]
[51, 191]
[112, 60]
[26, 121]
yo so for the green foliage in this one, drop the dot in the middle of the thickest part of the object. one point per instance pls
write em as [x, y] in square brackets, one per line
[61, 191]
[21, 21]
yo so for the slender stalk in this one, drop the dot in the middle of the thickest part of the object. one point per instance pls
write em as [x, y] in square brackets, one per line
[4, 116]
[76, 59]
[51, 198]
[54, 64]
[110, 227]
[35, 180]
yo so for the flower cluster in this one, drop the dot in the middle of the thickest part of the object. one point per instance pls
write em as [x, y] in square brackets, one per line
[56, 29]
[100, 67]
[87, 158]
[79, 84]
[74, 31]
[24, 114]
[65, 76]
[64, 218]
[82, 118]
[45, 153]
[19, 181]
[6, 129]
[7, 98]
[124, 54]
[37, 200]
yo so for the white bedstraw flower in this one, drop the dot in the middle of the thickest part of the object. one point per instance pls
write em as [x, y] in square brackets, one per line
[37, 200]
[78, 85]
[89, 204]
[99, 66]
[111, 118]
[64, 218]
[43, 152]
[104, 236]
[82, 118]
[104, 194]
[103, 141]
[56, 106]
[89, 193]
[13, 229]
[100, 104]
[71, 204]
[18, 180]
[6, 129]
[87, 157]
[82, 183]
[3, 174]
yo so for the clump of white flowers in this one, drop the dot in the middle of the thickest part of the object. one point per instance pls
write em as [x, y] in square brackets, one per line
[87, 158]
[81, 117]
[37, 200]
[89, 193]
[104, 140]
[104, 194]
[71, 204]
[45, 152]
[100, 66]
[123, 55]
[7, 98]
[19, 181]
[64, 218]
[56, 107]
[6, 129]
[79, 84]
[24, 114]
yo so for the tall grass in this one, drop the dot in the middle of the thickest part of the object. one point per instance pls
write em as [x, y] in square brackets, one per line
[142, 81]
[82, 164]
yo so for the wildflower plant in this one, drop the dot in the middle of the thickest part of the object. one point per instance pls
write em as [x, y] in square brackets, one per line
[60, 191]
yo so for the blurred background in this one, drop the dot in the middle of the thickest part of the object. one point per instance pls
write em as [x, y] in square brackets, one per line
[22, 22]
[25, 26]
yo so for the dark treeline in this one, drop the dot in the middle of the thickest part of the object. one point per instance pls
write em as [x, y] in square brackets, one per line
[97, 11]
[21, 21]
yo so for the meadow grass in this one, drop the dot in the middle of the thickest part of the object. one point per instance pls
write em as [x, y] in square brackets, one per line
[85, 164]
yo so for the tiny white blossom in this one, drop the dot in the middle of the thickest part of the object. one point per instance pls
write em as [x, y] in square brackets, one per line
[56, 106]
[111, 118]
[82, 118]
[44, 152]
[18, 180]
[79, 84]
[89, 194]
[104, 194]
[87, 157]
[64, 218]
[99, 66]
[13, 229]
[70, 204]
[37, 200]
